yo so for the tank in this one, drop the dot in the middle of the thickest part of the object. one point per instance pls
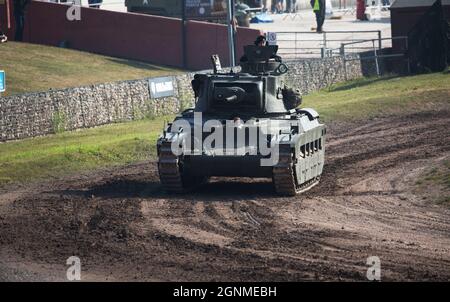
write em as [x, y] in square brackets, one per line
[244, 124]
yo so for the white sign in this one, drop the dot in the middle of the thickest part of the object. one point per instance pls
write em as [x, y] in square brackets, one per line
[272, 38]
[161, 87]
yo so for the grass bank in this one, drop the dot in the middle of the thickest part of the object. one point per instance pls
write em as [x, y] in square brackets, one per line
[434, 184]
[372, 97]
[31, 67]
[68, 152]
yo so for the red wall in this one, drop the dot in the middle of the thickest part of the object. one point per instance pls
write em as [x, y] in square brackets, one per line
[8, 29]
[205, 39]
[129, 35]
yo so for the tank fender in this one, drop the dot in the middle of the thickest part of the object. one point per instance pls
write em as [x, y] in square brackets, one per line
[311, 113]
[172, 137]
[285, 139]
[300, 140]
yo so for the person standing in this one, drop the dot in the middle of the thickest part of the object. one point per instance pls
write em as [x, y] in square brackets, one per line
[291, 6]
[19, 17]
[95, 3]
[361, 10]
[279, 6]
[319, 9]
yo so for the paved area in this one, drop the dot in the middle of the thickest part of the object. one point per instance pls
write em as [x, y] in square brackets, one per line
[114, 5]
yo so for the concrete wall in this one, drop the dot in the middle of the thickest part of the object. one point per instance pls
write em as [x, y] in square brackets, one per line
[35, 114]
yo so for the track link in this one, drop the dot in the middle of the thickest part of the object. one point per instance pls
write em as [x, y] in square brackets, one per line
[169, 169]
[284, 176]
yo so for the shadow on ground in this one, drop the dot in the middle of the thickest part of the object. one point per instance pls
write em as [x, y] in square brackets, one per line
[221, 190]
[362, 83]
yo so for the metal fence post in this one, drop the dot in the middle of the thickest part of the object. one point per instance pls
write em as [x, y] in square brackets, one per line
[379, 40]
[408, 61]
[183, 34]
[324, 47]
[342, 52]
[376, 58]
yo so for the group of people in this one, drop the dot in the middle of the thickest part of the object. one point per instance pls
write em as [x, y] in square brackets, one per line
[278, 6]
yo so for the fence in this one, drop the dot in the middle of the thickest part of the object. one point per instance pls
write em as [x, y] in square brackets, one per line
[367, 46]
[337, 4]
[375, 53]
[299, 45]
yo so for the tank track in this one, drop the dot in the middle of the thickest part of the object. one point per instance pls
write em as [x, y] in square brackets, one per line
[169, 169]
[174, 178]
[284, 177]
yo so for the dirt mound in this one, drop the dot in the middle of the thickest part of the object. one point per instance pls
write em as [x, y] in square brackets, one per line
[124, 227]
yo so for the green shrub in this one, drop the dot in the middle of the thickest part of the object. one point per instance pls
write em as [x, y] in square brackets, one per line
[59, 122]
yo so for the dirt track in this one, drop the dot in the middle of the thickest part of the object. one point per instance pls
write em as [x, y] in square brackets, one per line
[124, 227]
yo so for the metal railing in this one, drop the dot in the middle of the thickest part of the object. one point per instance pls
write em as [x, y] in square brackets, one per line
[298, 45]
[376, 49]
[106, 5]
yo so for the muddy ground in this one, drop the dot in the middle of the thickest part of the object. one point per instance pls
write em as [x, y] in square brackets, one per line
[124, 227]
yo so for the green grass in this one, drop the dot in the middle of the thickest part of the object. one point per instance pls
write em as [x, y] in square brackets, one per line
[372, 97]
[68, 152]
[118, 144]
[436, 183]
[31, 67]
[439, 175]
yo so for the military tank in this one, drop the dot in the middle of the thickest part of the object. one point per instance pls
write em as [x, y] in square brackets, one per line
[244, 124]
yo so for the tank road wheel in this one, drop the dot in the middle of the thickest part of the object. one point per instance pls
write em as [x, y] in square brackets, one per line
[284, 176]
[171, 172]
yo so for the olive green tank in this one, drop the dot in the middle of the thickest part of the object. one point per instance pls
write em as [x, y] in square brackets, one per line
[245, 124]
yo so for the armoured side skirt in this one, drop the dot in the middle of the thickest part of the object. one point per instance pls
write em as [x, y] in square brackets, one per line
[232, 166]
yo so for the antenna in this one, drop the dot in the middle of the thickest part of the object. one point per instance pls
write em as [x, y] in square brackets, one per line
[216, 63]
[231, 32]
